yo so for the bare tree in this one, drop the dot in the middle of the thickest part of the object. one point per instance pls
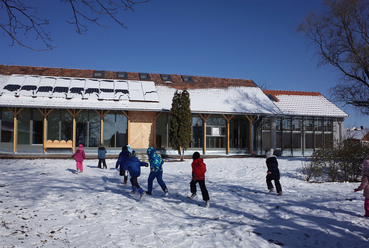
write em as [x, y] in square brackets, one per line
[18, 18]
[341, 35]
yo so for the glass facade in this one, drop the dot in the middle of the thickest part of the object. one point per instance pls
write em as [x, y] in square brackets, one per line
[162, 130]
[216, 131]
[115, 129]
[239, 138]
[197, 132]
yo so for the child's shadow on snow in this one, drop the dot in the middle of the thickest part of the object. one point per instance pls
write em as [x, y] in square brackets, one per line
[73, 171]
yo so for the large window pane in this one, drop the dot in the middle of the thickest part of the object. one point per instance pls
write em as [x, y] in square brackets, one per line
[121, 129]
[81, 128]
[24, 127]
[37, 127]
[94, 129]
[109, 130]
[53, 122]
[7, 126]
[66, 126]
[216, 132]
[197, 131]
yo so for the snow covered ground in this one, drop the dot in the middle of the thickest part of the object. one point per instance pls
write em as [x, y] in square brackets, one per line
[44, 203]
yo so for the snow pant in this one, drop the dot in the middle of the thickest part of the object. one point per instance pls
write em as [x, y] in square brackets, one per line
[366, 206]
[79, 166]
[159, 177]
[278, 186]
[103, 162]
[135, 185]
[204, 191]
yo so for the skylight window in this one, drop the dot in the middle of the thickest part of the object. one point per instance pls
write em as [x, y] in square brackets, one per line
[122, 75]
[121, 91]
[98, 74]
[187, 79]
[144, 76]
[107, 90]
[92, 90]
[166, 77]
[271, 97]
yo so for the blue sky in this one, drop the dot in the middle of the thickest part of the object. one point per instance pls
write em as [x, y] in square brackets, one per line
[247, 39]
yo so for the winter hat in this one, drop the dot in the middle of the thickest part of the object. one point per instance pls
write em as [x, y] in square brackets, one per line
[81, 146]
[150, 151]
[101, 144]
[269, 153]
[195, 155]
[124, 148]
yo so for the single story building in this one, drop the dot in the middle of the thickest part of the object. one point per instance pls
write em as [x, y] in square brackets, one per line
[53, 110]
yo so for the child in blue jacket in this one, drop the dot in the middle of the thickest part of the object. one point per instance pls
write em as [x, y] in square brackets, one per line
[156, 171]
[121, 163]
[134, 167]
[101, 151]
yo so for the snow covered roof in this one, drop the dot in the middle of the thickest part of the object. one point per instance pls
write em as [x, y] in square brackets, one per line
[304, 103]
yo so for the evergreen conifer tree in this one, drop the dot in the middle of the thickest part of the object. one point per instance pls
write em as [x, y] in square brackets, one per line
[180, 122]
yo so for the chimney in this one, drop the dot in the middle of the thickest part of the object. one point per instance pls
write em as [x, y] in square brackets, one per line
[361, 127]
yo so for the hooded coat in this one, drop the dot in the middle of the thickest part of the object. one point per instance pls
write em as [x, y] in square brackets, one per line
[364, 184]
[155, 160]
[79, 154]
[134, 166]
[122, 159]
[199, 169]
[272, 165]
[101, 152]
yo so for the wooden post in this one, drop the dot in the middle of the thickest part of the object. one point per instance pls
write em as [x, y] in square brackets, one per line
[102, 115]
[45, 113]
[74, 115]
[15, 113]
[228, 119]
[204, 117]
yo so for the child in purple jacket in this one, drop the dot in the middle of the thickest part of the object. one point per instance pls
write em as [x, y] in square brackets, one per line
[79, 155]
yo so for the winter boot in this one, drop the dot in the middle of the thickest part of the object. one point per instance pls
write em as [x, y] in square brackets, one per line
[134, 190]
[279, 193]
[166, 192]
[140, 190]
[207, 204]
[148, 192]
[193, 195]
[271, 190]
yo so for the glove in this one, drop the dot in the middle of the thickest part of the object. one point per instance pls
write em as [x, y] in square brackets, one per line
[356, 190]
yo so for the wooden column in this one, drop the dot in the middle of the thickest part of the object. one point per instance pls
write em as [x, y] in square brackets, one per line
[45, 113]
[204, 117]
[74, 114]
[228, 119]
[15, 111]
[102, 115]
[251, 120]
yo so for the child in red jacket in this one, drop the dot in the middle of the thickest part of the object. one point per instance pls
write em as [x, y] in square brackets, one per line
[80, 156]
[198, 176]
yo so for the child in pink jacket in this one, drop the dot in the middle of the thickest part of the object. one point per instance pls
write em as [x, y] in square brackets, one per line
[365, 185]
[80, 156]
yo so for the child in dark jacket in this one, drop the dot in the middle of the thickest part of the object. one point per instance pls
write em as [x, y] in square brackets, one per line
[121, 163]
[365, 185]
[79, 155]
[156, 171]
[273, 172]
[134, 167]
[198, 176]
[101, 151]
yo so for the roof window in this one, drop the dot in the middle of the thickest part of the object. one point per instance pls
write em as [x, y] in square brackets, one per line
[166, 77]
[144, 76]
[187, 78]
[122, 75]
[98, 74]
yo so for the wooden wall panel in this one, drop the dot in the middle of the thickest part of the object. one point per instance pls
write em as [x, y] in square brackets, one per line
[141, 129]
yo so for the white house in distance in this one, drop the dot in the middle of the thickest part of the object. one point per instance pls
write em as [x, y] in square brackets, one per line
[53, 110]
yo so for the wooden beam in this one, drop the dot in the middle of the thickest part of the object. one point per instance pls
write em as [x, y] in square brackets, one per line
[74, 114]
[251, 120]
